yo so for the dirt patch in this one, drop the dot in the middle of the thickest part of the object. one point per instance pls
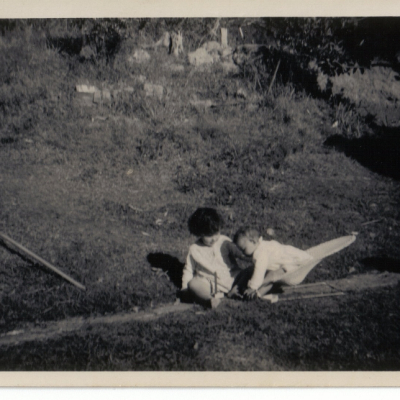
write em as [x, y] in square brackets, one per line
[60, 328]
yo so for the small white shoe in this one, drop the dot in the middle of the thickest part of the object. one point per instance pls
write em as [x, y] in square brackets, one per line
[215, 302]
[273, 298]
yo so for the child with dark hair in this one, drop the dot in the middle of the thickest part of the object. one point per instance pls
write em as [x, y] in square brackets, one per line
[211, 265]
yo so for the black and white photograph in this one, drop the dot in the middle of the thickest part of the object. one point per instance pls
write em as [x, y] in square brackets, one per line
[200, 194]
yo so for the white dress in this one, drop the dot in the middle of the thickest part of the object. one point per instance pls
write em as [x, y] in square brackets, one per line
[204, 261]
[270, 256]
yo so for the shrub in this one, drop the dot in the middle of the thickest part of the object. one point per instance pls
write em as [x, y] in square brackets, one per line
[377, 85]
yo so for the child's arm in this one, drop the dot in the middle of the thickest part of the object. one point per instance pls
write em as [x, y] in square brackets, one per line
[187, 271]
[230, 253]
[257, 279]
[260, 268]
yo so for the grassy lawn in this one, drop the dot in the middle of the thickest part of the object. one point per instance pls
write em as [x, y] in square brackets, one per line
[100, 191]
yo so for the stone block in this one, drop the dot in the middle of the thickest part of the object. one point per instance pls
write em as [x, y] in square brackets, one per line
[106, 96]
[152, 90]
[177, 43]
[139, 56]
[202, 105]
[164, 41]
[229, 67]
[97, 97]
[83, 88]
[211, 46]
[226, 53]
[176, 67]
[116, 93]
[224, 37]
[87, 52]
[200, 57]
[139, 78]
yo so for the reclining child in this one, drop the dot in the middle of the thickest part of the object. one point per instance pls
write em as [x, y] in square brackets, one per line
[271, 260]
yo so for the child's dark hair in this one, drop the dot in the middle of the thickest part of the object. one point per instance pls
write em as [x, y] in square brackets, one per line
[246, 231]
[205, 222]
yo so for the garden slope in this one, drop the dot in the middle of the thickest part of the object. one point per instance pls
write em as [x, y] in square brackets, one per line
[97, 197]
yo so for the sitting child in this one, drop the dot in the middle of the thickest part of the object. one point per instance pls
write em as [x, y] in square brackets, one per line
[210, 266]
[271, 261]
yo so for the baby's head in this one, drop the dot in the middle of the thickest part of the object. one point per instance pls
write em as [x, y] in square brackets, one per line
[247, 239]
[206, 223]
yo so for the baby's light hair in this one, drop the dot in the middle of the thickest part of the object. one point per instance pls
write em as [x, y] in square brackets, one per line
[248, 232]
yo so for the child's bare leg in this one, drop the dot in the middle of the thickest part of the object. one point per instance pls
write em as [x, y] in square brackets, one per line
[263, 290]
[270, 278]
[201, 288]
[214, 303]
[291, 267]
[234, 292]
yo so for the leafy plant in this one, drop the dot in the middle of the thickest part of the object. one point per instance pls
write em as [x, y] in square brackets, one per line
[348, 120]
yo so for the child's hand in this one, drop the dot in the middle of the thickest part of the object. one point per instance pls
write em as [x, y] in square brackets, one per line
[234, 292]
[250, 294]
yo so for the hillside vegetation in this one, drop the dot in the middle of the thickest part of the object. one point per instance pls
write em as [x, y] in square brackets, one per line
[104, 190]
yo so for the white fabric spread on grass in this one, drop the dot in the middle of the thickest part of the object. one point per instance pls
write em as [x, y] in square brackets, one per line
[271, 255]
[204, 261]
[332, 246]
[318, 253]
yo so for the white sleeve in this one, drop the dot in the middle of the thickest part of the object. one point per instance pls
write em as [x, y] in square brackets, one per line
[260, 268]
[187, 271]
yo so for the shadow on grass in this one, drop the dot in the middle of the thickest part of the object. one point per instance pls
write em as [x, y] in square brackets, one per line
[169, 264]
[382, 264]
[380, 153]
[174, 268]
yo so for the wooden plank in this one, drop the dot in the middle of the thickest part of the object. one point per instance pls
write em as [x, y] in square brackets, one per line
[307, 285]
[307, 291]
[311, 296]
[354, 283]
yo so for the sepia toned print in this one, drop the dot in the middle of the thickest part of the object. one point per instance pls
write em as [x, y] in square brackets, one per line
[114, 131]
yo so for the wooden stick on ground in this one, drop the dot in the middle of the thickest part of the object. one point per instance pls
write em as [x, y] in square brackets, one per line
[43, 262]
[372, 222]
[307, 285]
[273, 78]
[313, 296]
